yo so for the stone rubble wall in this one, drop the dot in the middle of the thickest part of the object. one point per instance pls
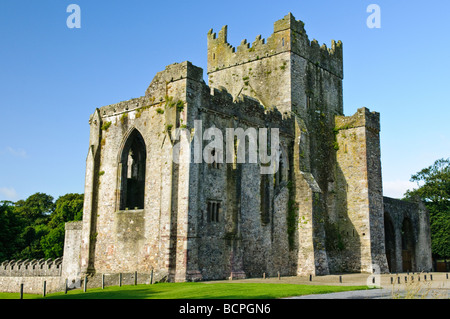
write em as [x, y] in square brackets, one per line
[32, 274]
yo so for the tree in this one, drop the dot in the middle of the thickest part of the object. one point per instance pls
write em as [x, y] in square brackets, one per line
[34, 228]
[35, 209]
[68, 208]
[434, 190]
[10, 228]
[34, 213]
[30, 242]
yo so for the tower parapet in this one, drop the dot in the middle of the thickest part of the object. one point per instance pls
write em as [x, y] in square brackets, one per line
[363, 117]
[289, 36]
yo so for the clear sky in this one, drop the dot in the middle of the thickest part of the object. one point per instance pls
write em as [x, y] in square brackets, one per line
[53, 77]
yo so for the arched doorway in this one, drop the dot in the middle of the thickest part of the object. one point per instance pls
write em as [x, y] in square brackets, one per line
[389, 239]
[408, 246]
[132, 164]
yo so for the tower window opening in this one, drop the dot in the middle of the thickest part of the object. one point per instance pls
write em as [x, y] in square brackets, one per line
[133, 160]
[213, 209]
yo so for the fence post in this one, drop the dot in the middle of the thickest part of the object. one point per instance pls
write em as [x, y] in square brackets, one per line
[151, 277]
[65, 286]
[340, 279]
[103, 281]
[120, 279]
[21, 291]
[44, 288]
[135, 278]
[85, 284]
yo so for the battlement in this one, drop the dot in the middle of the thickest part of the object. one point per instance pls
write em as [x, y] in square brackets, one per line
[289, 36]
[31, 268]
[362, 117]
[248, 110]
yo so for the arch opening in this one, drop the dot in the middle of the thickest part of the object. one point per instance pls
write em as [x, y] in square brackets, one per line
[132, 179]
[408, 246]
[389, 239]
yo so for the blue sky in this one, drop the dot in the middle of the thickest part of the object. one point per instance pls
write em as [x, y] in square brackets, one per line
[52, 77]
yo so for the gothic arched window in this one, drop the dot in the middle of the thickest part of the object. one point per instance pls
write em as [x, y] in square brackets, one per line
[132, 181]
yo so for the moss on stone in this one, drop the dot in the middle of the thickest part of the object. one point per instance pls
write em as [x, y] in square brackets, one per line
[105, 126]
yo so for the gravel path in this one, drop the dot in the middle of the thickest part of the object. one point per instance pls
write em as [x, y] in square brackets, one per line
[390, 286]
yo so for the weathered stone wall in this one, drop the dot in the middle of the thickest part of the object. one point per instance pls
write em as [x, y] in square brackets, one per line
[31, 285]
[358, 221]
[116, 279]
[71, 268]
[397, 214]
[32, 274]
[125, 240]
[241, 243]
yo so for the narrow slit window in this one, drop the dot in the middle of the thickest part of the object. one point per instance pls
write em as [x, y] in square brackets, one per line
[214, 210]
[308, 102]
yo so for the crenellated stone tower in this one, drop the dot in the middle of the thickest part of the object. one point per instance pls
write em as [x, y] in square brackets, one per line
[303, 81]
[299, 71]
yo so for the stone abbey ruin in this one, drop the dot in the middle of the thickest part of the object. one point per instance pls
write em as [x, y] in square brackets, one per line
[320, 212]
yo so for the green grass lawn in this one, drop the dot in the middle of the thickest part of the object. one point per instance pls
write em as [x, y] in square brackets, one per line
[193, 290]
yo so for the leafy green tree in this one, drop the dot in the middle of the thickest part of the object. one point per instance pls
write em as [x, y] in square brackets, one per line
[30, 241]
[434, 190]
[53, 242]
[35, 227]
[10, 228]
[68, 208]
[34, 213]
[36, 209]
